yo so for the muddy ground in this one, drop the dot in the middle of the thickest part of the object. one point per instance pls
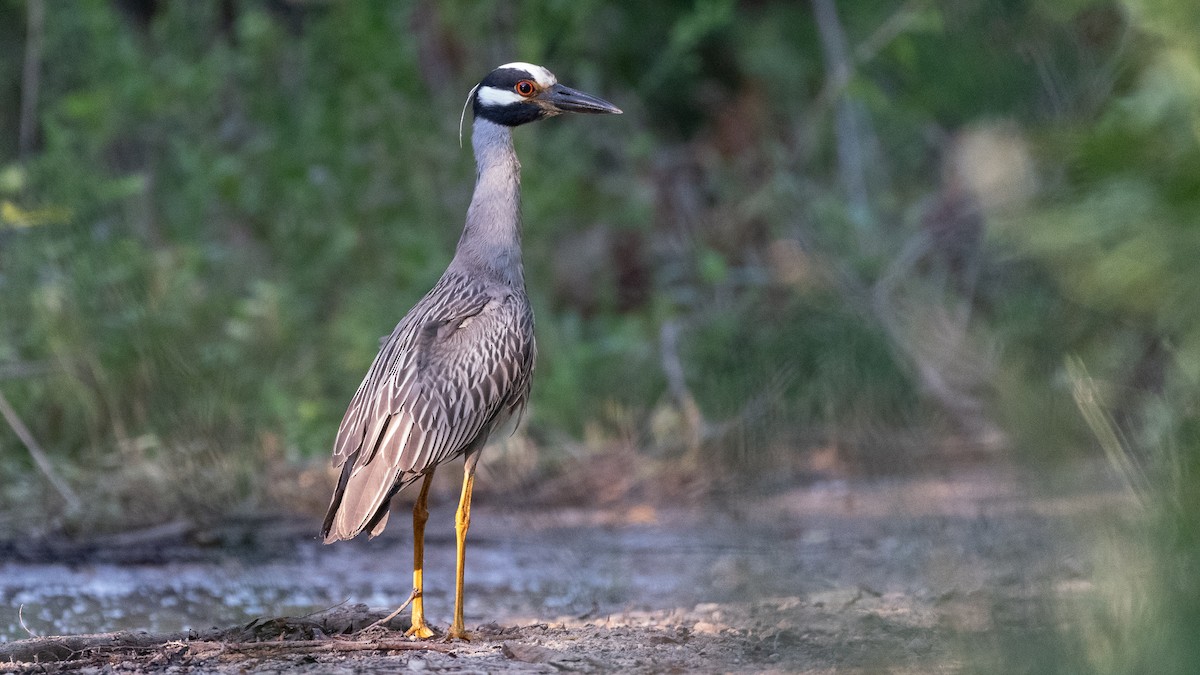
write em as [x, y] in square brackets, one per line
[906, 575]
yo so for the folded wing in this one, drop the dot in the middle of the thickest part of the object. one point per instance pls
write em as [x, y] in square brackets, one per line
[456, 365]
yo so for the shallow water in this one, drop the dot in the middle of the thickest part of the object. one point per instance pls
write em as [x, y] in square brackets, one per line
[535, 568]
[921, 538]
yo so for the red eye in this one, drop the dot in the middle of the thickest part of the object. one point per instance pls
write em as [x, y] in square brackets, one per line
[525, 88]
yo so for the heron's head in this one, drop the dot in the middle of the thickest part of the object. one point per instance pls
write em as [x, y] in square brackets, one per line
[518, 93]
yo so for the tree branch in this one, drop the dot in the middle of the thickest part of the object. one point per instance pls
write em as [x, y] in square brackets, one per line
[851, 145]
[39, 457]
[31, 76]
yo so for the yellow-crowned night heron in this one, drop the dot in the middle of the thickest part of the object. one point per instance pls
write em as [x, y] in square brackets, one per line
[459, 363]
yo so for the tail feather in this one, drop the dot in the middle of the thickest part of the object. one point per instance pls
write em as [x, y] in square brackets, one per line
[361, 501]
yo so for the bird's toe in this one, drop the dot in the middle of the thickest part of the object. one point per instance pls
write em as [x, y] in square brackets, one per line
[421, 631]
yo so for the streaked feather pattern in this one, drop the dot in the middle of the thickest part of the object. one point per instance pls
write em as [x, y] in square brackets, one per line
[457, 365]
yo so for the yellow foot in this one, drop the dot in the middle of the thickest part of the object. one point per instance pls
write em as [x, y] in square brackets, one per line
[420, 631]
[458, 633]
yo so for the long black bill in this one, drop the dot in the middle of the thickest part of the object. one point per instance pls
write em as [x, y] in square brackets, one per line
[567, 99]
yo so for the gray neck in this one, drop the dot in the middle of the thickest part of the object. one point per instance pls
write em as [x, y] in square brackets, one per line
[491, 240]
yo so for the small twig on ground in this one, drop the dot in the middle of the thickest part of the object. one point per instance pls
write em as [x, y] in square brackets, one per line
[21, 620]
[75, 648]
[385, 620]
[325, 646]
[39, 457]
[327, 609]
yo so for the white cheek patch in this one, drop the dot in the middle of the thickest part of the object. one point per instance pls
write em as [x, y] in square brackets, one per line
[493, 97]
[543, 77]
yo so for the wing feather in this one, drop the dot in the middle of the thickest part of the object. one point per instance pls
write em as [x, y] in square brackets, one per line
[457, 363]
[396, 438]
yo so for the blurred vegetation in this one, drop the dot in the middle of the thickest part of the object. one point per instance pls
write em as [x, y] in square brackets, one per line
[226, 204]
[903, 231]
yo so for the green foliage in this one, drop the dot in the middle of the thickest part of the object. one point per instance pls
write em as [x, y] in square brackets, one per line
[231, 209]
[773, 352]
[1115, 244]
[225, 210]
[592, 366]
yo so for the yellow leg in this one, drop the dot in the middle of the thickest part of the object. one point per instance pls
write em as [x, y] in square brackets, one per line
[420, 515]
[462, 520]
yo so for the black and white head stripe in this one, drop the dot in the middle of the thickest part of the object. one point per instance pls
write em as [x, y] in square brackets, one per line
[518, 93]
[499, 87]
[498, 97]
